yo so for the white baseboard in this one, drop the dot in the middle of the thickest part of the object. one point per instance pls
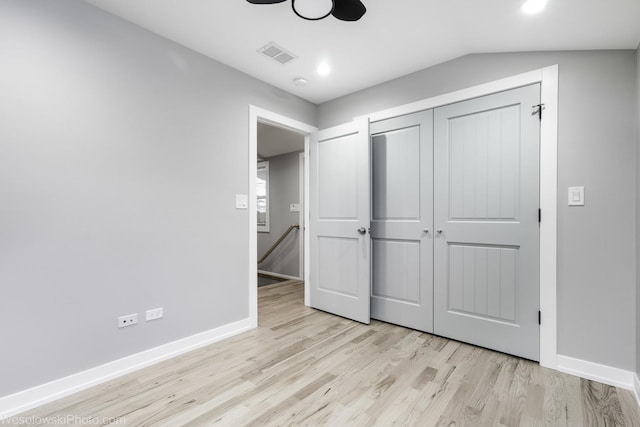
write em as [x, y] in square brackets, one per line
[636, 388]
[596, 372]
[31, 398]
[280, 276]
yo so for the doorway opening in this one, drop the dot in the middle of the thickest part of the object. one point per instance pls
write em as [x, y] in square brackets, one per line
[278, 214]
[280, 198]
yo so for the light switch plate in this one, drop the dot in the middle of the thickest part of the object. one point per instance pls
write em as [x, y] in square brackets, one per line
[242, 201]
[294, 207]
[576, 196]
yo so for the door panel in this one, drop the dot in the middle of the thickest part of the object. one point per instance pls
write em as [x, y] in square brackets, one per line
[339, 207]
[394, 274]
[396, 174]
[484, 165]
[486, 174]
[338, 190]
[482, 281]
[342, 255]
[402, 207]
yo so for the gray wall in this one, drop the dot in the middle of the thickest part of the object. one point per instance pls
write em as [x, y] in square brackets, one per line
[120, 157]
[597, 146]
[284, 190]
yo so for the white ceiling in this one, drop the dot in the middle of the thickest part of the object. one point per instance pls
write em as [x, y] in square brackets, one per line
[394, 38]
[274, 141]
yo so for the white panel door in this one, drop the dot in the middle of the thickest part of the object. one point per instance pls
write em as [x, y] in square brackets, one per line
[339, 207]
[486, 185]
[402, 220]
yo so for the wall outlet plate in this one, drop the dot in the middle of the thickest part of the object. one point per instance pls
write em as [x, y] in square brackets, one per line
[128, 320]
[156, 313]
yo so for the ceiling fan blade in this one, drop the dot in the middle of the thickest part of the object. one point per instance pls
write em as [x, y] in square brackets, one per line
[265, 1]
[348, 10]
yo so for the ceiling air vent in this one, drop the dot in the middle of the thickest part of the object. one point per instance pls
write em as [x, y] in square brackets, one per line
[277, 53]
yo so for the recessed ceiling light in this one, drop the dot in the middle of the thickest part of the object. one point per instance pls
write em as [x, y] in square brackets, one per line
[324, 69]
[533, 6]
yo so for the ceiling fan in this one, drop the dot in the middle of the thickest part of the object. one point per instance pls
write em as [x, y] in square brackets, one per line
[313, 10]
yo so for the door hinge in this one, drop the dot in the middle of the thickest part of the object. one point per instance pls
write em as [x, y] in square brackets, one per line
[537, 110]
[539, 215]
[539, 317]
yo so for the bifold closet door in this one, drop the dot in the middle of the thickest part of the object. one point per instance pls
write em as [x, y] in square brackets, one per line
[339, 207]
[486, 245]
[402, 220]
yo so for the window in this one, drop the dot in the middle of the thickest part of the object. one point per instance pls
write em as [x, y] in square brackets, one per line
[262, 192]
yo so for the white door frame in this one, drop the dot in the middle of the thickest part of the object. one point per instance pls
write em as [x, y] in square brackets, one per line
[548, 78]
[301, 218]
[257, 114]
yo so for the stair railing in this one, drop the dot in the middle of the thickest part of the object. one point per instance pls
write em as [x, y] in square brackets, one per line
[277, 242]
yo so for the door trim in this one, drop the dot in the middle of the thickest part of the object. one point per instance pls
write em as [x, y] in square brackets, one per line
[257, 114]
[548, 78]
[301, 218]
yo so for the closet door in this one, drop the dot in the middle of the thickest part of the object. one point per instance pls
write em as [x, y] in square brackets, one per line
[402, 220]
[486, 184]
[339, 207]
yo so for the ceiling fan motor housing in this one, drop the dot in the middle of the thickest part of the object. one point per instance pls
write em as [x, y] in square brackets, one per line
[313, 10]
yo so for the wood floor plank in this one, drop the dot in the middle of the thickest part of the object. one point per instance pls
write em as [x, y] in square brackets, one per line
[600, 405]
[517, 397]
[303, 367]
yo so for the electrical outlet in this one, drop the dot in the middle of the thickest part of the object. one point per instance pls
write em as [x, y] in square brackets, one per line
[154, 314]
[128, 320]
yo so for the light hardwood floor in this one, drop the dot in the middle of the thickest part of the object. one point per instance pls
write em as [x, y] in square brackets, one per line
[306, 367]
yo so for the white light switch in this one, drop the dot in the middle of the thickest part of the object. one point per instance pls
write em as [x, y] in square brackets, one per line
[242, 201]
[294, 207]
[576, 196]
